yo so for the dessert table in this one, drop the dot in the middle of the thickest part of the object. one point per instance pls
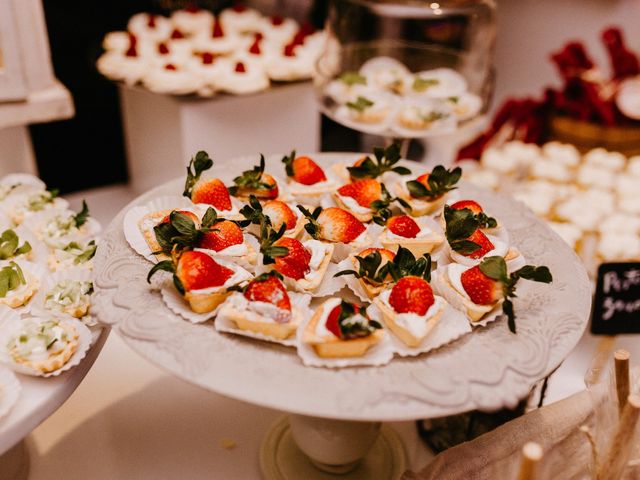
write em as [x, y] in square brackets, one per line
[406, 389]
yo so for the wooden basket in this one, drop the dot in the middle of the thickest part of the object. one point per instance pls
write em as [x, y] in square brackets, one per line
[586, 135]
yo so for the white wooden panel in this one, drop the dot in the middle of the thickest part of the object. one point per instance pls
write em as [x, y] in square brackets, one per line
[12, 80]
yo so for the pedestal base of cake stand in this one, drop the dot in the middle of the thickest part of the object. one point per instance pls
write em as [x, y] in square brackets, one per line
[14, 463]
[315, 448]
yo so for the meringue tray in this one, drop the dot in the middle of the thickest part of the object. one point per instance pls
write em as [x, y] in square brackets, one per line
[551, 320]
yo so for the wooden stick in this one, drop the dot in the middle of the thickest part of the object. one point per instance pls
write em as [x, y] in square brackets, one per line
[531, 456]
[621, 357]
[621, 443]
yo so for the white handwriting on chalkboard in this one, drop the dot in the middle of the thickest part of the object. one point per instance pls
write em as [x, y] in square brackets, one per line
[611, 306]
[612, 281]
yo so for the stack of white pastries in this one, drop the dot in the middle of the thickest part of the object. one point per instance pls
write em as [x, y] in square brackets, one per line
[193, 51]
[46, 253]
[591, 200]
[215, 240]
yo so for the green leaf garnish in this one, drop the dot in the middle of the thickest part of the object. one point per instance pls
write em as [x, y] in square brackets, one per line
[197, 165]
[352, 78]
[369, 269]
[9, 248]
[423, 84]
[11, 278]
[81, 218]
[440, 181]
[405, 264]
[361, 104]
[251, 179]
[384, 160]
[288, 163]
[353, 327]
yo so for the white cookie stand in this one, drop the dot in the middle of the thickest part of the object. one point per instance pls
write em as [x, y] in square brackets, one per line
[336, 414]
[39, 398]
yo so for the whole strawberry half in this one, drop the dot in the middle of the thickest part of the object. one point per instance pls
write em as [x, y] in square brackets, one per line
[364, 192]
[269, 289]
[208, 191]
[303, 169]
[295, 264]
[386, 255]
[484, 221]
[193, 271]
[255, 182]
[483, 242]
[338, 322]
[280, 213]
[404, 226]
[431, 186]
[411, 295]
[490, 282]
[332, 224]
[222, 235]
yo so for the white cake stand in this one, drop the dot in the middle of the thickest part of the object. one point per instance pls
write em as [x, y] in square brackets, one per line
[336, 414]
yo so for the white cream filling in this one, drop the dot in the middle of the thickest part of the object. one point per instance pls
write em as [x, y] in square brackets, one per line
[415, 324]
[236, 250]
[352, 205]
[37, 336]
[301, 189]
[424, 232]
[256, 311]
[454, 273]
[318, 251]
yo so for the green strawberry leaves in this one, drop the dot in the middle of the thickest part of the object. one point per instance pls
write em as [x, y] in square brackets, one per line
[268, 236]
[312, 226]
[353, 327]
[496, 268]
[251, 179]
[81, 218]
[167, 266]
[11, 278]
[197, 165]
[440, 181]
[381, 209]
[253, 212]
[368, 268]
[288, 163]
[384, 160]
[181, 230]
[460, 225]
[405, 264]
[9, 245]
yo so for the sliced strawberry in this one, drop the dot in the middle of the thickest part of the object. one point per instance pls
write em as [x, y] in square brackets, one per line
[289, 50]
[197, 270]
[176, 34]
[404, 226]
[254, 49]
[482, 290]
[411, 295]
[333, 319]
[364, 192]
[272, 191]
[151, 20]
[277, 20]
[472, 205]
[295, 264]
[224, 234]
[280, 213]
[163, 49]
[485, 245]
[303, 170]
[208, 58]
[240, 68]
[268, 289]
[212, 192]
[255, 182]
[338, 225]
[170, 67]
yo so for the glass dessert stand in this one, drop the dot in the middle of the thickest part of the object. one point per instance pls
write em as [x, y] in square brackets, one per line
[336, 414]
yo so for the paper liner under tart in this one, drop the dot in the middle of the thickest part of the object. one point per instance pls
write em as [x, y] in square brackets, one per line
[478, 314]
[9, 391]
[374, 349]
[64, 359]
[452, 325]
[141, 238]
[230, 319]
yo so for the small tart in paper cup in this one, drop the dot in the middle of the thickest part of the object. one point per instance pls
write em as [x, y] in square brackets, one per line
[9, 391]
[72, 255]
[179, 306]
[245, 254]
[355, 284]
[230, 319]
[66, 293]
[452, 325]
[17, 207]
[21, 298]
[39, 252]
[233, 214]
[477, 314]
[379, 350]
[49, 226]
[74, 340]
[139, 221]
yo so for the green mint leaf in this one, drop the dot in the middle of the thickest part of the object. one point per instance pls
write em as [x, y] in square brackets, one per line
[288, 163]
[81, 218]
[423, 84]
[352, 78]
[361, 104]
[401, 170]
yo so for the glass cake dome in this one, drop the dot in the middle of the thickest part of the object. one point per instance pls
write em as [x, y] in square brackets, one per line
[407, 69]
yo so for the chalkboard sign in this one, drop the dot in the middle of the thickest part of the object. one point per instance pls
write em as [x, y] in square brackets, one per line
[616, 307]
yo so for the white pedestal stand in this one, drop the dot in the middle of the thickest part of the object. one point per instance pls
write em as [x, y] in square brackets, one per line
[162, 132]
